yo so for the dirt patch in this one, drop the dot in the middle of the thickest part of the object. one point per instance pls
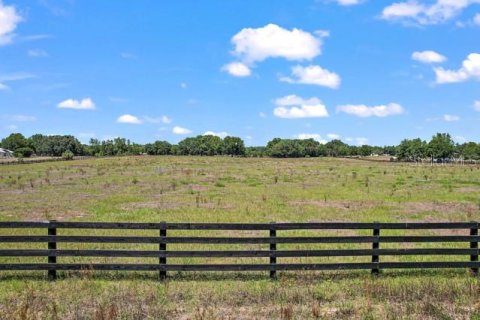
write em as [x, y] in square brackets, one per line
[197, 187]
[468, 190]
[340, 204]
[63, 215]
[441, 207]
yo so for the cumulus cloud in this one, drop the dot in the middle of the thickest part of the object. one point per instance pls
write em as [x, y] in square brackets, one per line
[4, 87]
[272, 41]
[84, 104]
[295, 107]
[221, 134]
[315, 75]
[180, 130]
[470, 70]
[129, 119]
[9, 19]
[237, 69]
[314, 136]
[428, 56]
[476, 105]
[450, 118]
[413, 11]
[364, 111]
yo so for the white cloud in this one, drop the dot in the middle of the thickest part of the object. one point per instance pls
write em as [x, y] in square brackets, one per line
[333, 136]
[9, 19]
[470, 70]
[460, 139]
[180, 130]
[348, 2]
[315, 75]
[361, 141]
[183, 85]
[295, 107]
[364, 111]
[162, 119]
[412, 11]
[221, 134]
[271, 41]
[476, 19]
[84, 104]
[4, 87]
[314, 136]
[237, 69]
[128, 118]
[476, 105]
[37, 53]
[450, 117]
[428, 57]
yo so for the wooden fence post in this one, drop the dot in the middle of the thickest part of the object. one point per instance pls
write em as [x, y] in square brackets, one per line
[52, 245]
[375, 246]
[474, 245]
[273, 249]
[163, 249]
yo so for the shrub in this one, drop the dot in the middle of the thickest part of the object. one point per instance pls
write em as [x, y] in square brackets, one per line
[67, 155]
[24, 152]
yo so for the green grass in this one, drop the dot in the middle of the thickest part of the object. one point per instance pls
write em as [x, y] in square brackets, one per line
[223, 189]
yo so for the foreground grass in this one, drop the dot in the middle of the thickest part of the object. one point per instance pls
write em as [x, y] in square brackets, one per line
[201, 189]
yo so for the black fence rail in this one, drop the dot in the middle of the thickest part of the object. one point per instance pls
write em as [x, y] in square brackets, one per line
[469, 254]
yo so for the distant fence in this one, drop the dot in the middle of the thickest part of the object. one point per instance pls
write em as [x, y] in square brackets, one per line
[470, 253]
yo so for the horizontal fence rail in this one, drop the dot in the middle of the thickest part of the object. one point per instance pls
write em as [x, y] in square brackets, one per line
[465, 232]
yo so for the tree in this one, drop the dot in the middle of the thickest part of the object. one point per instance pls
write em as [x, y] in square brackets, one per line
[25, 152]
[158, 148]
[441, 146]
[14, 141]
[233, 146]
[411, 150]
[336, 148]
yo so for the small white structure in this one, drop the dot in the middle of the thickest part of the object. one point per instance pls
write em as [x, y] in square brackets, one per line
[4, 153]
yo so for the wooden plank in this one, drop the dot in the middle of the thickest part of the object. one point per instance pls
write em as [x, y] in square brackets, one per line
[240, 226]
[238, 240]
[236, 253]
[242, 267]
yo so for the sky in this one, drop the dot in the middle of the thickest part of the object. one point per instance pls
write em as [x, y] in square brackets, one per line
[364, 71]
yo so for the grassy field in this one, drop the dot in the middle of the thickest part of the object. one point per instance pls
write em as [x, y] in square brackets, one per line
[222, 189]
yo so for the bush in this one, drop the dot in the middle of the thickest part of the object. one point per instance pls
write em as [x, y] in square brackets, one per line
[24, 152]
[67, 155]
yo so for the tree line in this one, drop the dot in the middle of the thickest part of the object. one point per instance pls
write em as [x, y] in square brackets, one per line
[441, 147]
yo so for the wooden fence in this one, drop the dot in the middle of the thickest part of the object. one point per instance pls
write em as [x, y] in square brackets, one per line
[469, 253]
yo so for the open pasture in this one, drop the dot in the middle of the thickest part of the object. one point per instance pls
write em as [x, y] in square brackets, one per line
[239, 190]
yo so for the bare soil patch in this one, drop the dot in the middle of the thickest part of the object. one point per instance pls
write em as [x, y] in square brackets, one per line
[340, 204]
[174, 205]
[441, 207]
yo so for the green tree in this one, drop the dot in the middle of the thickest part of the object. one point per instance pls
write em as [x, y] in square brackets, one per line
[233, 146]
[441, 146]
[14, 141]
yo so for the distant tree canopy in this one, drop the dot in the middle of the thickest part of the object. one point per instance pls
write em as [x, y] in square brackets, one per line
[439, 149]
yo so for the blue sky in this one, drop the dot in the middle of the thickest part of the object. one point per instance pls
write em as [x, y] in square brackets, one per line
[365, 71]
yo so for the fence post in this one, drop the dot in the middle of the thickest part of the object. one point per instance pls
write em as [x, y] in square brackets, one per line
[375, 246]
[474, 245]
[52, 245]
[273, 249]
[163, 249]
